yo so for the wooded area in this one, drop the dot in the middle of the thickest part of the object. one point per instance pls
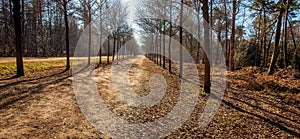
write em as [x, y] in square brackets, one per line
[267, 34]
[257, 41]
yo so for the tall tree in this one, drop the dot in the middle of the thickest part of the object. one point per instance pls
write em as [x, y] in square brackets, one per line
[64, 4]
[277, 38]
[226, 34]
[101, 8]
[207, 83]
[285, 55]
[67, 33]
[164, 37]
[264, 43]
[180, 38]
[170, 39]
[232, 37]
[108, 47]
[18, 37]
[197, 6]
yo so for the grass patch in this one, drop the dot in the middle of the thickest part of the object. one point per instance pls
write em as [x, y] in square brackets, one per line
[33, 67]
[10, 69]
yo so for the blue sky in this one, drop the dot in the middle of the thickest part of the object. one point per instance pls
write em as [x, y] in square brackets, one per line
[247, 23]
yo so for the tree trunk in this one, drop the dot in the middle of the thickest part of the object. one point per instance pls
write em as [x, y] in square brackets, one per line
[108, 45]
[259, 43]
[285, 59]
[5, 30]
[157, 52]
[18, 37]
[23, 27]
[90, 32]
[198, 34]
[226, 35]
[277, 38]
[181, 39]
[219, 40]
[67, 34]
[170, 40]
[160, 51]
[264, 36]
[101, 31]
[114, 47]
[207, 83]
[295, 46]
[232, 38]
[269, 46]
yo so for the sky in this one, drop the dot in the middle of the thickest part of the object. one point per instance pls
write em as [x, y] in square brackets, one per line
[131, 17]
[132, 10]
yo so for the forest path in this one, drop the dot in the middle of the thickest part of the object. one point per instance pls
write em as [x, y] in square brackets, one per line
[46, 107]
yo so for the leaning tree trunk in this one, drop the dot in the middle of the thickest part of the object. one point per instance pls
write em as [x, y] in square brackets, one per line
[18, 37]
[277, 38]
[295, 47]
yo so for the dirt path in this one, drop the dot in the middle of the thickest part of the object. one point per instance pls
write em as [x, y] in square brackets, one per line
[45, 107]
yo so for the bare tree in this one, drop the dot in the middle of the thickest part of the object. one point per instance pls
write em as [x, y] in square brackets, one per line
[232, 37]
[67, 33]
[207, 83]
[18, 37]
[64, 4]
[170, 40]
[180, 37]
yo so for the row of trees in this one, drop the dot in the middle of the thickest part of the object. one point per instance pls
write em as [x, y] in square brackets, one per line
[43, 28]
[255, 33]
[52, 28]
[188, 32]
[266, 31]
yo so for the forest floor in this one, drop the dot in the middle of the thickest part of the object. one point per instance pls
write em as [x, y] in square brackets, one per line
[254, 106]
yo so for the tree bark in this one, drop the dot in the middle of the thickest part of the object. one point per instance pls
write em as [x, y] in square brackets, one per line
[226, 35]
[295, 46]
[164, 38]
[170, 40]
[101, 31]
[285, 59]
[90, 31]
[232, 38]
[114, 46]
[160, 51]
[181, 39]
[108, 45]
[67, 34]
[264, 36]
[207, 83]
[18, 37]
[277, 38]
